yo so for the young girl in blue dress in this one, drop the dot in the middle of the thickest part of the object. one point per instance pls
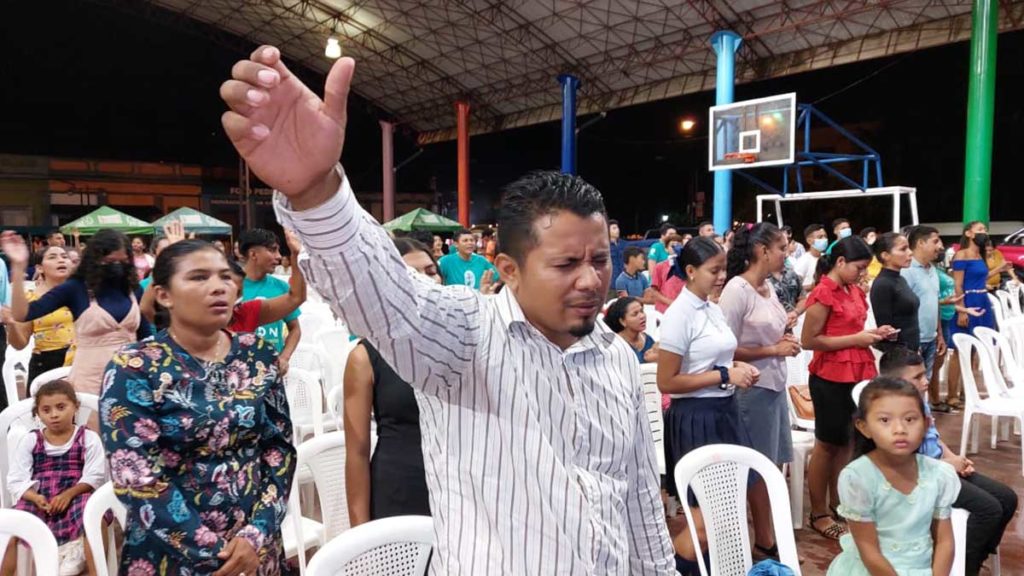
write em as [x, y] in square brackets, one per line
[897, 502]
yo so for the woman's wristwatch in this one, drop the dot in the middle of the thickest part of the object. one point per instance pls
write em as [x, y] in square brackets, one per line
[724, 372]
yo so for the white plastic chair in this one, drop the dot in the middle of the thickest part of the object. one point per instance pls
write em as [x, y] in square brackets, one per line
[15, 365]
[325, 456]
[803, 444]
[1010, 304]
[997, 309]
[717, 474]
[297, 528]
[994, 405]
[857, 390]
[48, 376]
[654, 319]
[17, 420]
[33, 532]
[335, 344]
[336, 407]
[959, 520]
[100, 501]
[655, 417]
[397, 546]
[308, 356]
[305, 401]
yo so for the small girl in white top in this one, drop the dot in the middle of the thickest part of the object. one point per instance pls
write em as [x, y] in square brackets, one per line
[695, 365]
[52, 472]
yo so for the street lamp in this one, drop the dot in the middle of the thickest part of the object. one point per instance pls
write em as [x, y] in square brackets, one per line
[664, 217]
[686, 125]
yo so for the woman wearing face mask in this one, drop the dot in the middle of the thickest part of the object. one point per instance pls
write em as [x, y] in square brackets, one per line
[196, 427]
[970, 273]
[893, 302]
[393, 481]
[102, 295]
[54, 333]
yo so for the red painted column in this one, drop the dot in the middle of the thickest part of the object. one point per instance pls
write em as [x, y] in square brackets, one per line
[387, 132]
[462, 111]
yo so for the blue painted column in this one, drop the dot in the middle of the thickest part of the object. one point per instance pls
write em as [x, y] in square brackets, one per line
[570, 84]
[725, 43]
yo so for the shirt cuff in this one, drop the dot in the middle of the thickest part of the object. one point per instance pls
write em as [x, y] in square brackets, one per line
[327, 227]
[253, 535]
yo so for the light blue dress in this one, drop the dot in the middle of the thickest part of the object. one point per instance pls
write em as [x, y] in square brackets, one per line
[903, 521]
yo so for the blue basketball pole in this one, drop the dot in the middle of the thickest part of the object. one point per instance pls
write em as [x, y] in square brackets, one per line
[725, 43]
[569, 85]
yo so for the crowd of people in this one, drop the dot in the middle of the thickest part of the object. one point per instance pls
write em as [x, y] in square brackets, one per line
[505, 388]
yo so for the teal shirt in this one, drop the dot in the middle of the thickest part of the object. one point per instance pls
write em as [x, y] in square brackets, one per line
[947, 289]
[459, 272]
[658, 253]
[267, 288]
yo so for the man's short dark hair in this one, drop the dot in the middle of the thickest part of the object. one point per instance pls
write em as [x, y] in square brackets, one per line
[55, 233]
[424, 236]
[704, 223]
[898, 358]
[811, 229]
[613, 222]
[538, 194]
[487, 233]
[630, 252]
[257, 237]
[666, 227]
[864, 233]
[919, 233]
[839, 221]
[460, 233]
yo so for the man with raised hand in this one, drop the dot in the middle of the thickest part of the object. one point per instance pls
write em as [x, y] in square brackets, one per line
[538, 453]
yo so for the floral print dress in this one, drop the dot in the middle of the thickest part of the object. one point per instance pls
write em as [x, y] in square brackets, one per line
[200, 453]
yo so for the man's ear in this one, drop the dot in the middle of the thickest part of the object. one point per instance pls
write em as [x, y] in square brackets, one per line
[509, 270]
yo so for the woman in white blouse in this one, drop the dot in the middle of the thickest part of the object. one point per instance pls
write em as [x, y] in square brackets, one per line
[695, 365]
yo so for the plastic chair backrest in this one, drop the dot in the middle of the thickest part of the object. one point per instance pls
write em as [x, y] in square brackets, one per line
[100, 501]
[995, 383]
[17, 420]
[717, 474]
[654, 319]
[1010, 304]
[309, 357]
[33, 532]
[959, 520]
[15, 364]
[655, 416]
[336, 406]
[396, 546]
[325, 457]
[857, 390]
[965, 344]
[997, 309]
[335, 344]
[305, 400]
[48, 376]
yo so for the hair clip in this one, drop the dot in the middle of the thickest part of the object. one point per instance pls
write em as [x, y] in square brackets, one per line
[828, 251]
[750, 226]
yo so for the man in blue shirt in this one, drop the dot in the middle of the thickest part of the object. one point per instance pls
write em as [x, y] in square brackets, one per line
[465, 267]
[924, 282]
[262, 253]
[616, 245]
[632, 282]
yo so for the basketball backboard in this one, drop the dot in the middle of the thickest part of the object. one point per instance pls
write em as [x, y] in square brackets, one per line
[752, 133]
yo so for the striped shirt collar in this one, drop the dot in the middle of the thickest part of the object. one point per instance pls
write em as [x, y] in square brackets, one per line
[511, 314]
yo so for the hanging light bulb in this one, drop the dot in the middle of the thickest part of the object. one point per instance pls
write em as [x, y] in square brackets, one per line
[333, 50]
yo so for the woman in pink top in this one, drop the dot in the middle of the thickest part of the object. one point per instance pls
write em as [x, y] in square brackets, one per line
[143, 260]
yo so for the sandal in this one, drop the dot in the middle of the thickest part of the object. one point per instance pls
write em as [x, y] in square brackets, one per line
[834, 531]
[761, 553]
[836, 515]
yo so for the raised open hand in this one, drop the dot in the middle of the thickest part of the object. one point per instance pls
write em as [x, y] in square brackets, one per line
[174, 231]
[289, 136]
[13, 245]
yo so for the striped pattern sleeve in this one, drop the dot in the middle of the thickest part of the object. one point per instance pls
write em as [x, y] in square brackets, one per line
[428, 333]
[650, 552]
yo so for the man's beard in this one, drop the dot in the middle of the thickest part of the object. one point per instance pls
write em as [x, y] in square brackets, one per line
[583, 329]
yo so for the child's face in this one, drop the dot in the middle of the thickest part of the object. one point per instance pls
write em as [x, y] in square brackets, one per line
[57, 412]
[895, 423]
[915, 375]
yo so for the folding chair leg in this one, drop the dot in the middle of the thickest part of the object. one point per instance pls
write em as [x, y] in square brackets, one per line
[996, 568]
[1004, 433]
[965, 432]
[796, 490]
[975, 435]
[992, 435]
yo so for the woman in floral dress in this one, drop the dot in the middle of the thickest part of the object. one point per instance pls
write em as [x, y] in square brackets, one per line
[196, 428]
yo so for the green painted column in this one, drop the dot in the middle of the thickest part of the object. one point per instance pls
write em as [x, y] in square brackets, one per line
[981, 98]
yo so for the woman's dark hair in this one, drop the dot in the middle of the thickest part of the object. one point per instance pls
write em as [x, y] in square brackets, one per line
[964, 240]
[538, 194]
[408, 245]
[746, 239]
[867, 232]
[698, 251]
[90, 268]
[851, 248]
[145, 245]
[53, 388]
[616, 312]
[880, 387]
[885, 243]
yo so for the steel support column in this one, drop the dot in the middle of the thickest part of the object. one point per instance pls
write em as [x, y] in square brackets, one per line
[725, 43]
[462, 111]
[981, 95]
[387, 134]
[570, 84]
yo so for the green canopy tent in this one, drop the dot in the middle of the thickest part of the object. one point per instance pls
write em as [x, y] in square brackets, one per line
[106, 217]
[422, 219]
[194, 221]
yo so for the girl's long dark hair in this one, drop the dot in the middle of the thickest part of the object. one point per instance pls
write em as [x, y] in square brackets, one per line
[744, 240]
[852, 248]
[90, 268]
[878, 388]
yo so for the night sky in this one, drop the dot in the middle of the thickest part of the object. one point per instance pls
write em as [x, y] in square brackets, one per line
[84, 79]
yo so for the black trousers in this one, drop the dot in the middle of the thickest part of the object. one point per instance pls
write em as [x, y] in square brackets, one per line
[992, 505]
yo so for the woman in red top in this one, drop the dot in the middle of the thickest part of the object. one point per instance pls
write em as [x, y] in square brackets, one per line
[834, 329]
